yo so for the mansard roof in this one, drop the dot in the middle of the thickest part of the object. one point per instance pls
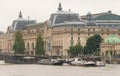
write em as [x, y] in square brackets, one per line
[103, 16]
[107, 16]
[64, 18]
[21, 23]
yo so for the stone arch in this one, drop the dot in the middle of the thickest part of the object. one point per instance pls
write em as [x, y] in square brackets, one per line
[32, 46]
[28, 46]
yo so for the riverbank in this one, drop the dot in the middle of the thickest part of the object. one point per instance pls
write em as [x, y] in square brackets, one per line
[26, 59]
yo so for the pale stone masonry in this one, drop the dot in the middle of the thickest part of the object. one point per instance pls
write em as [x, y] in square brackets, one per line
[62, 30]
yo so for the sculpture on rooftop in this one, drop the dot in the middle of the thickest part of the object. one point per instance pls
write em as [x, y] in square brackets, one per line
[59, 7]
[20, 14]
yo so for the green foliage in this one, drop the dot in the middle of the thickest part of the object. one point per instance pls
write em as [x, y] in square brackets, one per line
[97, 52]
[39, 45]
[85, 50]
[93, 45]
[75, 50]
[19, 45]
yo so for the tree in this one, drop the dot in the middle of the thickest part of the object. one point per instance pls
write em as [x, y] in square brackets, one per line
[93, 44]
[98, 40]
[19, 45]
[39, 45]
[90, 45]
[85, 50]
[75, 50]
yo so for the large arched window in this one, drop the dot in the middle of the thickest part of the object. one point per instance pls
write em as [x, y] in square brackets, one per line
[32, 45]
[28, 46]
[11, 48]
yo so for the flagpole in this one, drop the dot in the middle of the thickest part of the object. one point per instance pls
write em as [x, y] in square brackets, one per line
[113, 29]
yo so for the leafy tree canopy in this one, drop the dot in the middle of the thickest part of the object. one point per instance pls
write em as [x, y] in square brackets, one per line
[19, 44]
[75, 50]
[39, 45]
[92, 44]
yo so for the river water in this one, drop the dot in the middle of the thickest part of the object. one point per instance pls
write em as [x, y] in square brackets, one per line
[47, 70]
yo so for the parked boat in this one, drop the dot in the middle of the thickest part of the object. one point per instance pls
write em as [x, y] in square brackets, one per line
[87, 62]
[77, 61]
[67, 62]
[2, 62]
[99, 62]
[50, 62]
[54, 60]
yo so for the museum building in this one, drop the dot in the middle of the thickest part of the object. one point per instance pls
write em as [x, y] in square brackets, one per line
[62, 30]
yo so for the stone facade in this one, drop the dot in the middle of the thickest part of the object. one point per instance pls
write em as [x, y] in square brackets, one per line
[59, 35]
[110, 45]
[114, 48]
[4, 43]
[57, 39]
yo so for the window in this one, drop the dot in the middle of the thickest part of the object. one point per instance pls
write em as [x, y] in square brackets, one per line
[88, 29]
[71, 38]
[28, 46]
[58, 52]
[78, 42]
[72, 42]
[101, 33]
[88, 33]
[32, 46]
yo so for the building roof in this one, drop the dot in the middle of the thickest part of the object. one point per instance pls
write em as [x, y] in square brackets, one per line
[21, 23]
[91, 23]
[112, 39]
[108, 17]
[64, 17]
[103, 16]
[35, 25]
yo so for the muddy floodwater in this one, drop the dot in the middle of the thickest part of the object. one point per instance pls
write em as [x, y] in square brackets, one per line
[47, 70]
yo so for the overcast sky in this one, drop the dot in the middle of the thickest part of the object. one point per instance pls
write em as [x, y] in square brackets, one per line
[41, 9]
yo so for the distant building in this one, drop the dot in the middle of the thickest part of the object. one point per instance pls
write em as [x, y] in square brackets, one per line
[65, 29]
[18, 24]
